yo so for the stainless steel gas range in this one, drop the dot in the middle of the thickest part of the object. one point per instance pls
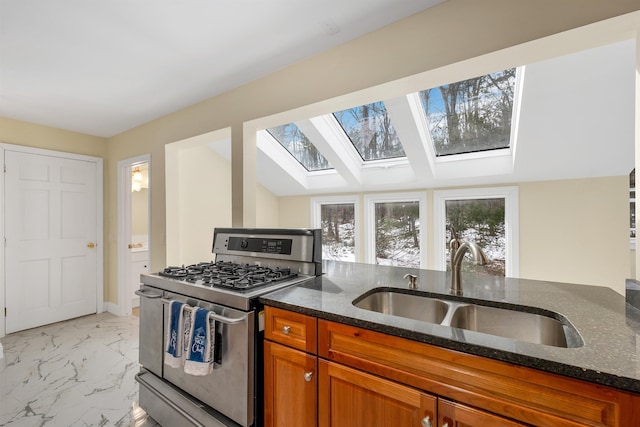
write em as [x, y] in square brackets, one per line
[248, 263]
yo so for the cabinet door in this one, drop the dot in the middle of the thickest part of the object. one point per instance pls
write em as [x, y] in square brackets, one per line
[351, 398]
[290, 387]
[451, 414]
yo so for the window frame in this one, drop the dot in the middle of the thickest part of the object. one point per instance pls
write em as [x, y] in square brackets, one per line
[370, 201]
[511, 222]
[316, 215]
[483, 153]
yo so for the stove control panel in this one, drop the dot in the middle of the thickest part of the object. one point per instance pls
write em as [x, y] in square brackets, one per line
[260, 245]
[294, 248]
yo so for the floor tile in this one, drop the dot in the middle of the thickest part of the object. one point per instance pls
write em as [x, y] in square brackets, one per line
[74, 373]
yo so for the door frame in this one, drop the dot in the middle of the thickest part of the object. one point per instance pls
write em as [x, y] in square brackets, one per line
[4, 147]
[123, 307]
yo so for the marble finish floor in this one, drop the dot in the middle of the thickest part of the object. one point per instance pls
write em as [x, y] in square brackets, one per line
[74, 373]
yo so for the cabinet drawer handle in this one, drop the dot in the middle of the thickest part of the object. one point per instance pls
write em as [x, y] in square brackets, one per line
[445, 425]
[286, 330]
[308, 377]
[426, 422]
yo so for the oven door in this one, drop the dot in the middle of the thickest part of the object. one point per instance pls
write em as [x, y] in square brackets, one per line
[229, 388]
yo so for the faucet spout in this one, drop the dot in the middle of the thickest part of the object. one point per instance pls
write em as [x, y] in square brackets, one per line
[478, 256]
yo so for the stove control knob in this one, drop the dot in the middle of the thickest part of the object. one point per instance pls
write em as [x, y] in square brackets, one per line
[286, 330]
[244, 244]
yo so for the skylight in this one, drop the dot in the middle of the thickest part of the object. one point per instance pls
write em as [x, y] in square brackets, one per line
[471, 115]
[370, 130]
[295, 142]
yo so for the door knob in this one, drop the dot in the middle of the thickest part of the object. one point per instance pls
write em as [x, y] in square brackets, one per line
[91, 245]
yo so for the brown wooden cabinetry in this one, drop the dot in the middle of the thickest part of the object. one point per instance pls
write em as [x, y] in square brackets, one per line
[290, 369]
[348, 397]
[292, 329]
[290, 387]
[451, 414]
[367, 378]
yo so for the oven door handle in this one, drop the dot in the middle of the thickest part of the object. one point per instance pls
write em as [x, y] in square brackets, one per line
[218, 317]
[147, 295]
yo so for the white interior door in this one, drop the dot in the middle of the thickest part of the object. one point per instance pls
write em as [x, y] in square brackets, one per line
[51, 232]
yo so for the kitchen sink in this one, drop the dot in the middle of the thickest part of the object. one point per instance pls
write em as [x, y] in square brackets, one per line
[411, 306]
[517, 325]
[545, 328]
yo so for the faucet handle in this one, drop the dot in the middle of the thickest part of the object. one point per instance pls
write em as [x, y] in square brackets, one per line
[412, 280]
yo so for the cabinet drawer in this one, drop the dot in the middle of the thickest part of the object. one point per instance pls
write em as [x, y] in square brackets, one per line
[454, 414]
[292, 329]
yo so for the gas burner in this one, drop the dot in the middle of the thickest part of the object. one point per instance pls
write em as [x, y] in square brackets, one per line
[174, 272]
[229, 275]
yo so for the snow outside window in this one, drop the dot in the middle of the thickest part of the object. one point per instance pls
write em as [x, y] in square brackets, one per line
[486, 216]
[395, 229]
[337, 217]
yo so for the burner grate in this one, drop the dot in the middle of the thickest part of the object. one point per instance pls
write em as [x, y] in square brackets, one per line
[229, 275]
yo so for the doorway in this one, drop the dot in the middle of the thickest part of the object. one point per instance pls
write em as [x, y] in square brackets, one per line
[134, 250]
[52, 227]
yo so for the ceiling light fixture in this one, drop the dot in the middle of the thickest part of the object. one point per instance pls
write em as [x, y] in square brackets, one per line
[136, 180]
[137, 175]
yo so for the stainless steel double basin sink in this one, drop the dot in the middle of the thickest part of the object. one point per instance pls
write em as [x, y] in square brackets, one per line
[516, 322]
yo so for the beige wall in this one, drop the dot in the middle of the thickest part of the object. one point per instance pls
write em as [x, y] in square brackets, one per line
[295, 212]
[140, 212]
[570, 230]
[203, 199]
[32, 135]
[205, 194]
[576, 231]
[370, 68]
[267, 208]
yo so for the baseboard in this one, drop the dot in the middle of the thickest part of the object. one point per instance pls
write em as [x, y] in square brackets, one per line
[114, 309]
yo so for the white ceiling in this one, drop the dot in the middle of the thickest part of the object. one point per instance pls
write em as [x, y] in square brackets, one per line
[103, 67]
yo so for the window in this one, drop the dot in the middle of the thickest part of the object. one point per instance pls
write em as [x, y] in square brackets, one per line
[296, 143]
[395, 227]
[471, 115]
[487, 216]
[370, 130]
[337, 217]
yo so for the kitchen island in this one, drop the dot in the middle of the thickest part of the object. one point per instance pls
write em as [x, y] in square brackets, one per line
[609, 328]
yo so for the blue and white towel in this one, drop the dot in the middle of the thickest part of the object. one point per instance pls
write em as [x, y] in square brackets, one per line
[201, 344]
[175, 335]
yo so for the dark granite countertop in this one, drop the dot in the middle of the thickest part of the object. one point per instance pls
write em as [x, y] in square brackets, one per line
[609, 327]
